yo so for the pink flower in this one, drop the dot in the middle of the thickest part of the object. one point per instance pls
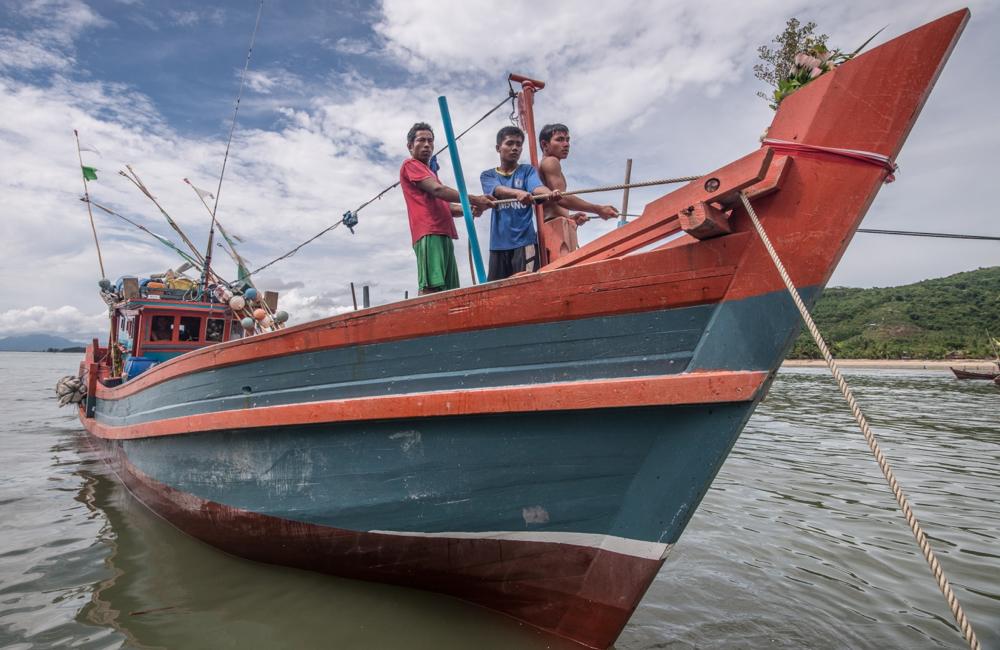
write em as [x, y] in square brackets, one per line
[816, 72]
[805, 60]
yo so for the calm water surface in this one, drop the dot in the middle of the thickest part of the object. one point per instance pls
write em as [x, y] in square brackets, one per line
[797, 544]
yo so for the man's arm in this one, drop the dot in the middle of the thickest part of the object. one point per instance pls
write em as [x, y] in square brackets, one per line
[445, 193]
[551, 170]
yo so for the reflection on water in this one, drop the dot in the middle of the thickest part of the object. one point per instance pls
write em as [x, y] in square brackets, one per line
[798, 543]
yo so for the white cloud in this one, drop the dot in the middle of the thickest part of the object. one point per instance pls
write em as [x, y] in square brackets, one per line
[66, 320]
[673, 91]
[192, 17]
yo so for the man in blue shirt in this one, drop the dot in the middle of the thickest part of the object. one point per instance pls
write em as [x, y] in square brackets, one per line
[513, 241]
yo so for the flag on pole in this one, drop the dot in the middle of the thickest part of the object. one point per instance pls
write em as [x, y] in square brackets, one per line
[203, 193]
[89, 173]
[91, 149]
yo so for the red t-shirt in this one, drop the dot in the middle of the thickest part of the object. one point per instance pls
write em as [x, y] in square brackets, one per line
[428, 215]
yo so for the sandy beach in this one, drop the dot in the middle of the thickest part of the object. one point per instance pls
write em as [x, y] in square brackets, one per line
[974, 365]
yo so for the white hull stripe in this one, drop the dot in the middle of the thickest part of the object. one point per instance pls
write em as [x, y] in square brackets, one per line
[621, 545]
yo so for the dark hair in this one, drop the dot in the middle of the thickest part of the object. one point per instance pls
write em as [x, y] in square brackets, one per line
[412, 134]
[509, 130]
[550, 130]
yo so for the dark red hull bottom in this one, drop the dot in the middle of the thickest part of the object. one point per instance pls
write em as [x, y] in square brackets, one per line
[584, 594]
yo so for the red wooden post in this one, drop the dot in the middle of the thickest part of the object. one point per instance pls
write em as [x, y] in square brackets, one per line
[528, 89]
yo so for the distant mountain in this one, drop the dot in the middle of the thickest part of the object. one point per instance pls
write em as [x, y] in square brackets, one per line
[36, 343]
[939, 318]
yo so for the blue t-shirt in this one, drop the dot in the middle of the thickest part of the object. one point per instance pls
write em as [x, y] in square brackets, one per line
[511, 227]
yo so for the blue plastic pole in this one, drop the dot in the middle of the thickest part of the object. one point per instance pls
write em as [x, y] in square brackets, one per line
[470, 227]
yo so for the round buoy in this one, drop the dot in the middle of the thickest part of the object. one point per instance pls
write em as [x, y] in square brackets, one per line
[250, 293]
[105, 284]
[267, 322]
[280, 316]
[237, 303]
[227, 295]
[247, 323]
[259, 313]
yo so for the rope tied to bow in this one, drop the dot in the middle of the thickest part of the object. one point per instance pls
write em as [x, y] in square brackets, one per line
[904, 504]
[790, 148]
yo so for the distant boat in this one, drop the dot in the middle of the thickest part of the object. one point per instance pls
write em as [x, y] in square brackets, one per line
[534, 445]
[968, 374]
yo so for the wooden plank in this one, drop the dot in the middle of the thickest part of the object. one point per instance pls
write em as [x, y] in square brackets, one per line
[659, 218]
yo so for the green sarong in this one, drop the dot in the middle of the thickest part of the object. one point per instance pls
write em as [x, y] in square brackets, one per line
[437, 269]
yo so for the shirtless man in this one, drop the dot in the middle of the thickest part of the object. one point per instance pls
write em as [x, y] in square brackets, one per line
[554, 140]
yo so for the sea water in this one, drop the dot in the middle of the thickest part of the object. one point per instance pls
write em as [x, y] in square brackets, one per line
[799, 543]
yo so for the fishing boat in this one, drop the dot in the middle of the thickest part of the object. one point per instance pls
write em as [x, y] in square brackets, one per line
[970, 374]
[535, 445]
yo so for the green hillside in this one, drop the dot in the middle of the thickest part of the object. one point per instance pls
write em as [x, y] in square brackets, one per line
[934, 319]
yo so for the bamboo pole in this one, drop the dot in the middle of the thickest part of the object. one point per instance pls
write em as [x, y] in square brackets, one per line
[86, 196]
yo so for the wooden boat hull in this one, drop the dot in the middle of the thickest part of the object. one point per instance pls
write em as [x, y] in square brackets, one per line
[969, 374]
[558, 519]
[538, 444]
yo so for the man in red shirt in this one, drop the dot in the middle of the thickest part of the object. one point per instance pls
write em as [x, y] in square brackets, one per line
[432, 208]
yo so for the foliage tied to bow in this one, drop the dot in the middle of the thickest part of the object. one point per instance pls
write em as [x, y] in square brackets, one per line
[801, 56]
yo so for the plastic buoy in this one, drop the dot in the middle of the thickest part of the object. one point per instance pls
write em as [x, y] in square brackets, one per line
[250, 293]
[259, 313]
[237, 303]
[280, 316]
[247, 323]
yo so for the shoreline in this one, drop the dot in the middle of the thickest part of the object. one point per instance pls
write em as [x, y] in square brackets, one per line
[975, 365]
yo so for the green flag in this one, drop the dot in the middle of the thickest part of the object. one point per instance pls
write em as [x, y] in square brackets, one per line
[89, 173]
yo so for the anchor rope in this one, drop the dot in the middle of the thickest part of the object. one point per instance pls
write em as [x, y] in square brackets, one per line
[925, 548]
[604, 188]
[353, 214]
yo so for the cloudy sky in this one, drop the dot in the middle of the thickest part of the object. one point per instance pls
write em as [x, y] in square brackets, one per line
[333, 87]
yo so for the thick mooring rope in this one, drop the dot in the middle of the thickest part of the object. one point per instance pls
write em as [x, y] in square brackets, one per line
[956, 609]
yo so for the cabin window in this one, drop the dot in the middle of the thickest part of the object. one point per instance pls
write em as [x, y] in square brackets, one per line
[213, 329]
[161, 328]
[190, 329]
[235, 330]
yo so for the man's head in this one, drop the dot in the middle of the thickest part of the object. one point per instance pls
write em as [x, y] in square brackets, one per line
[510, 142]
[420, 141]
[554, 140]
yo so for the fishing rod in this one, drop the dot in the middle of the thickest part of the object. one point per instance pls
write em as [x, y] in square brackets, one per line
[240, 262]
[134, 178]
[225, 158]
[160, 238]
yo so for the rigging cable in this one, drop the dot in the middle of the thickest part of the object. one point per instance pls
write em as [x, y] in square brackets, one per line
[350, 218]
[229, 142]
[926, 234]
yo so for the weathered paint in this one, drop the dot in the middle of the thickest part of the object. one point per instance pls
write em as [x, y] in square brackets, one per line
[629, 345]
[628, 474]
[631, 473]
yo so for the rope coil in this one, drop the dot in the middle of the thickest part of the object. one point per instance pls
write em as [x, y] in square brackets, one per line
[925, 548]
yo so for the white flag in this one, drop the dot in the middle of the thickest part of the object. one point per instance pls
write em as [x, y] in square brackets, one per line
[91, 149]
[202, 193]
